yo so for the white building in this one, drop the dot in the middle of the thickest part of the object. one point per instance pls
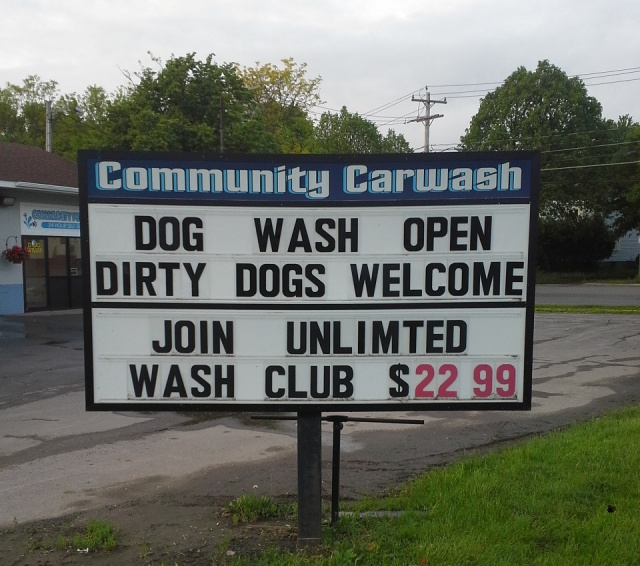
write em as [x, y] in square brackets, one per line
[39, 212]
[627, 248]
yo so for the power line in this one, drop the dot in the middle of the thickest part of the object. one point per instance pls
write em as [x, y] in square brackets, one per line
[589, 146]
[587, 166]
[612, 72]
[479, 93]
[588, 76]
[403, 98]
[555, 136]
[382, 120]
[613, 82]
[621, 71]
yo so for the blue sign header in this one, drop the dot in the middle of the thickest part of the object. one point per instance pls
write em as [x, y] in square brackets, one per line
[302, 178]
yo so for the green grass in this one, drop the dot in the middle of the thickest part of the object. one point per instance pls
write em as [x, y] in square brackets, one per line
[588, 309]
[250, 508]
[97, 535]
[568, 498]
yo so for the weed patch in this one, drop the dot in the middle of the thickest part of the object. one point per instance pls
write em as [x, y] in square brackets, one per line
[250, 508]
[98, 535]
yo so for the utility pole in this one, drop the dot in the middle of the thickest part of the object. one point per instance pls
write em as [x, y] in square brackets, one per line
[49, 125]
[221, 124]
[428, 118]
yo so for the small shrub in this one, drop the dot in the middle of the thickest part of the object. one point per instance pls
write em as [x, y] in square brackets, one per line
[248, 508]
[573, 241]
[98, 535]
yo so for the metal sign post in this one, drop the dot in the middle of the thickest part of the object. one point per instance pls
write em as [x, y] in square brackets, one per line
[309, 479]
[309, 456]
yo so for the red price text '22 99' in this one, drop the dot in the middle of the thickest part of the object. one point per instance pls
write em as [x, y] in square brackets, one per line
[441, 382]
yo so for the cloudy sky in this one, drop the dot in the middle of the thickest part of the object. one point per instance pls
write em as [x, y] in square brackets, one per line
[372, 55]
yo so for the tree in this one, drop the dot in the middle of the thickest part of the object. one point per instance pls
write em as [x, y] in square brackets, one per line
[548, 111]
[573, 240]
[187, 104]
[286, 87]
[181, 105]
[544, 109]
[620, 181]
[582, 184]
[79, 121]
[581, 152]
[22, 110]
[350, 133]
[284, 98]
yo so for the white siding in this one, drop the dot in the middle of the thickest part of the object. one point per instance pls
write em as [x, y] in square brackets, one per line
[627, 248]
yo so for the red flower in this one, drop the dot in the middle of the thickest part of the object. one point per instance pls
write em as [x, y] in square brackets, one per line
[15, 254]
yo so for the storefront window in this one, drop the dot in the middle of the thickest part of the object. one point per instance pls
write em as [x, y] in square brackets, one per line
[35, 273]
[53, 273]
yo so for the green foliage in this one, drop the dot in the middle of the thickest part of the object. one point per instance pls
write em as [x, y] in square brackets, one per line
[79, 121]
[286, 87]
[620, 188]
[178, 106]
[534, 110]
[573, 239]
[581, 152]
[588, 309]
[98, 535]
[249, 508]
[22, 110]
[283, 99]
[544, 110]
[350, 133]
[191, 105]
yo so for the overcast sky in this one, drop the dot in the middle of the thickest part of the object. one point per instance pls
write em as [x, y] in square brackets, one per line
[370, 53]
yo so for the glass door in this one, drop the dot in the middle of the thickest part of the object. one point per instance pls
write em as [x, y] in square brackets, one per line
[35, 274]
[58, 272]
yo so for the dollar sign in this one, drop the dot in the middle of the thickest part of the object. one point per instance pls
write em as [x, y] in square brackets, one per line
[401, 388]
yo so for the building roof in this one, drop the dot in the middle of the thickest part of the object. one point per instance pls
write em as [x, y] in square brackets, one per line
[28, 164]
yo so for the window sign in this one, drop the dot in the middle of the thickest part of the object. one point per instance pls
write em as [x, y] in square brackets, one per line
[49, 220]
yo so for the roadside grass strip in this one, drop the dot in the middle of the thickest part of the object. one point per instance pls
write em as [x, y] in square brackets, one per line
[587, 309]
[569, 497]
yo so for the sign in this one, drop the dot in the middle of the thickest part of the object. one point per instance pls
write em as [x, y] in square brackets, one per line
[308, 282]
[49, 220]
[35, 249]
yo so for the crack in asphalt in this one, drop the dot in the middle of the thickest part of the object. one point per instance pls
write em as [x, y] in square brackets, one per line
[625, 338]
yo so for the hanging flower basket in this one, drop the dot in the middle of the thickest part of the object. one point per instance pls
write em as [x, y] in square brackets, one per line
[15, 254]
